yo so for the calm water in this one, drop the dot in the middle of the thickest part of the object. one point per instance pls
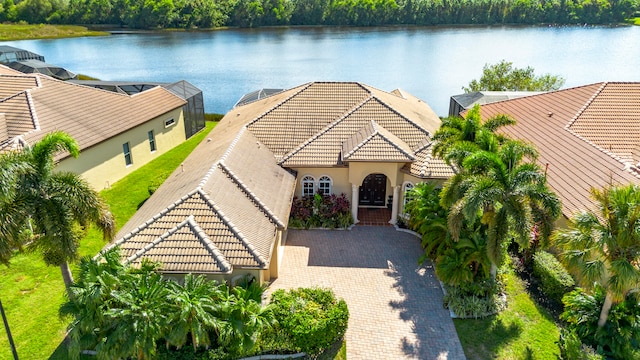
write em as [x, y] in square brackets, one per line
[432, 63]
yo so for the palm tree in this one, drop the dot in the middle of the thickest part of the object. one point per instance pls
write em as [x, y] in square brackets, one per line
[138, 316]
[244, 319]
[458, 138]
[510, 197]
[195, 305]
[60, 205]
[12, 210]
[603, 247]
[91, 299]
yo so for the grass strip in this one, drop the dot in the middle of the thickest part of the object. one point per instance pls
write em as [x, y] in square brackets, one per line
[32, 292]
[10, 32]
[523, 331]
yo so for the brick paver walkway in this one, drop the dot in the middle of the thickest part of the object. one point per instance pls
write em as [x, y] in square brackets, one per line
[395, 305]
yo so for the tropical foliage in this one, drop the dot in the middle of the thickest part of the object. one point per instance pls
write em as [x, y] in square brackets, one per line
[619, 338]
[252, 13]
[309, 319]
[125, 312]
[504, 77]
[602, 247]
[327, 211]
[53, 208]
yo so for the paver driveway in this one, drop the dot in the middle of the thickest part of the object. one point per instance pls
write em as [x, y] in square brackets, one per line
[395, 305]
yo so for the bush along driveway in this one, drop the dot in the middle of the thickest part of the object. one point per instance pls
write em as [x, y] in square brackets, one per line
[395, 305]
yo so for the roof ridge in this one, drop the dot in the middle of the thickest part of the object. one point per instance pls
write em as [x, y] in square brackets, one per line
[155, 217]
[373, 124]
[234, 229]
[232, 144]
[410, 156]
[245, 189]
[155, 242]
[32, 111]
[401, 115]
[224, 264]
[324, 130]
[303, 87]
[585, 106]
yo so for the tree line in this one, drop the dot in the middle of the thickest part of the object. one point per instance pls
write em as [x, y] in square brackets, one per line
[148, 14]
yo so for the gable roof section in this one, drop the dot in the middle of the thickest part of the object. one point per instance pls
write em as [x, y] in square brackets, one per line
[426, 165]
[307, 110]
[11, 85]
[237, 196]
[375, 143]
[611, 120]
[324, 148]
[78, 110]
[575, 165]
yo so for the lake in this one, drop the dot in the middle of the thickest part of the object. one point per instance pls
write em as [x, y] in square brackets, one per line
[432, 63]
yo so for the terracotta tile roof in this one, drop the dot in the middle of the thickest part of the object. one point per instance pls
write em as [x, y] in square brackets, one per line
[11, 84]
[427, 166]
[237, 196]
[324, 148]
[375, 143]
[575, 163]
[612, 120]
[78, 110]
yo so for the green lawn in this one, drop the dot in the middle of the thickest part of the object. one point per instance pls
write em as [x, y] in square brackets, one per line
[26, 31]
[32, 292]
[522, 331]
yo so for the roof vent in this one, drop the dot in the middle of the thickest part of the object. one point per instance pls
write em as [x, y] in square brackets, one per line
[549, 114]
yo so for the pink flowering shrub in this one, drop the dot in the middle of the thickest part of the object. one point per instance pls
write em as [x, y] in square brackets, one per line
[326, 211]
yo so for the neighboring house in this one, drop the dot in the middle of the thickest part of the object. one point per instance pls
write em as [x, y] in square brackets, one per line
[28, 62]
[117, 133]
[462, 102]
[587, 136]
[225, 212]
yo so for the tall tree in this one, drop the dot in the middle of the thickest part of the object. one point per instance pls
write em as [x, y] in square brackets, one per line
[459, 137]
[504, 77]
[58, 206]
[510, 196]
[603, 247]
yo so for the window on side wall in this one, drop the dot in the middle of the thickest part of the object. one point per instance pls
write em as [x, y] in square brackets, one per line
[152, 141]
[407, 194]
[126, 149]
[308, 186]
[324, 185]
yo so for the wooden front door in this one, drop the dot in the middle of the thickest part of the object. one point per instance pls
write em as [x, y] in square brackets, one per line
[373, 190]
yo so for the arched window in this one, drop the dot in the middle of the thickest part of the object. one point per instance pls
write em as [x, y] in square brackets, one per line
[324, 185]
[308, 186]
[407, 194]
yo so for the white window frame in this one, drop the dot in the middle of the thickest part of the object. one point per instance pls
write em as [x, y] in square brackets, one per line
[307, 179]
[325, 179]
[152, 141]
[126, 150]
[408, 185]
[169, 122]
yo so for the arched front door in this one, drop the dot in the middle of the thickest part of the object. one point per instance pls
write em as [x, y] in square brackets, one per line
[373, 190]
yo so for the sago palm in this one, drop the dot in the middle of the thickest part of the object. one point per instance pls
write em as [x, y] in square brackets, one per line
[510, 196]
[603, 247]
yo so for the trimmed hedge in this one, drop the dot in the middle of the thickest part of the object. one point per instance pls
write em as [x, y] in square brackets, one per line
[555, 281]
[310, 320]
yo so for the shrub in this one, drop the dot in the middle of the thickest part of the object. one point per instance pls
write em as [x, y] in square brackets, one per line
[619, 338]
[327, 211]
[554, 278]
[572, 348]
[309, 320]
[475, 299]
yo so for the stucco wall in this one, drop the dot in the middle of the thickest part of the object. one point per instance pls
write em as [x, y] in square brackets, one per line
[339, 176]
[104, 164]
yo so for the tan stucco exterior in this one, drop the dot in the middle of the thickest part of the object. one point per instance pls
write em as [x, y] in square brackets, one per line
[104, 164]
[338, 175]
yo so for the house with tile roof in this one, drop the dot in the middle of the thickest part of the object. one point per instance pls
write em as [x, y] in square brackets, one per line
[587, 136]
[225, 211]
[117, 133]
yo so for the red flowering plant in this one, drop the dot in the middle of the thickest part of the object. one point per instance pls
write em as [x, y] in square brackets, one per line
[325, 211]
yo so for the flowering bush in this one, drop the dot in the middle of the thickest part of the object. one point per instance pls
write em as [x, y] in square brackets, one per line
[327, 211]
